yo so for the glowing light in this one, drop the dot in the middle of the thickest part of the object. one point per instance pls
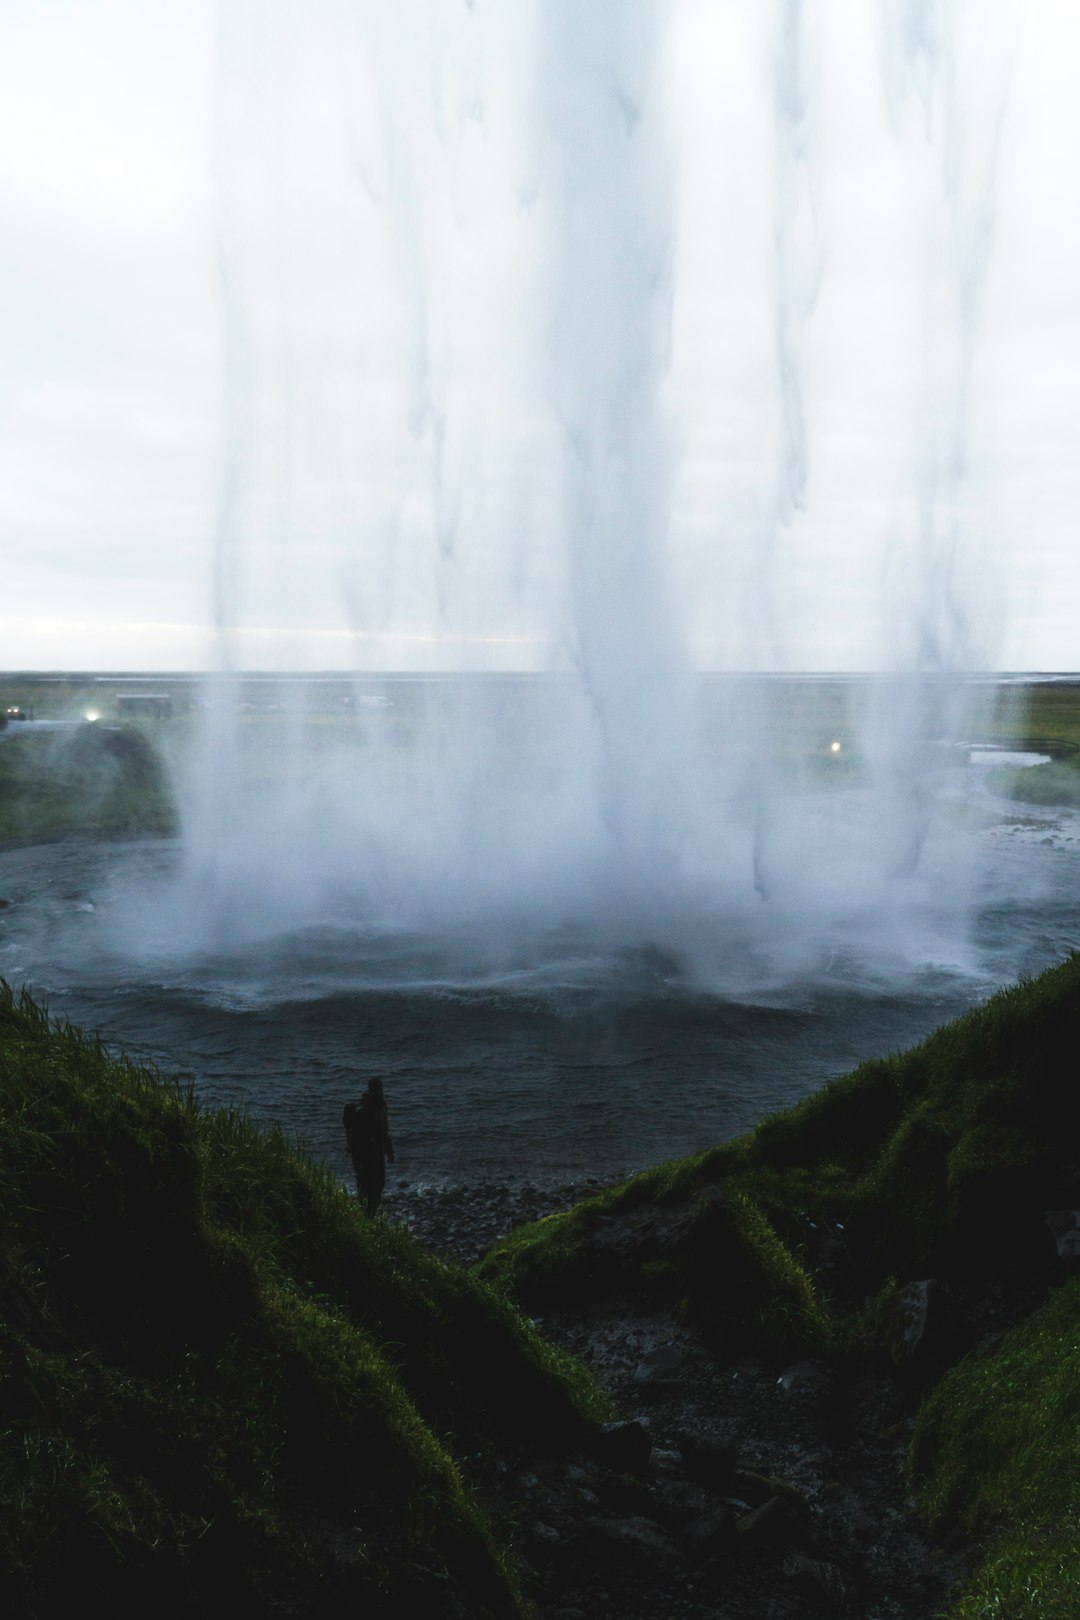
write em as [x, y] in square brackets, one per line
[91, 715]
[834, 747]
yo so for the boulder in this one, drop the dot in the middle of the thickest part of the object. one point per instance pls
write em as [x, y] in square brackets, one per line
[1064, 1225]
[918, 1330]
[626, 1447]
[707, 1459]
[775, 1526]
[643, 1541]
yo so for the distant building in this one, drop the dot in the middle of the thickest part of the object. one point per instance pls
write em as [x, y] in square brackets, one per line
[155, 705]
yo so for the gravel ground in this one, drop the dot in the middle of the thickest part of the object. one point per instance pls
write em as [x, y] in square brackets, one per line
[737, 1489]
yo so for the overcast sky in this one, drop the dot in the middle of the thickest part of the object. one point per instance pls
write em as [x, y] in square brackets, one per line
[426, 334]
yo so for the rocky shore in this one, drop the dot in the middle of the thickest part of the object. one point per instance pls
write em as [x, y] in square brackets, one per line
[735, 1488]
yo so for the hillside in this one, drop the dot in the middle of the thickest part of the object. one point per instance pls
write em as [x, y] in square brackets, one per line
[911, 1233]
[225, 1390]
[851, 1337]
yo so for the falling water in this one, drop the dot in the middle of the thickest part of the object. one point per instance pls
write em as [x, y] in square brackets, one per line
[457, 451]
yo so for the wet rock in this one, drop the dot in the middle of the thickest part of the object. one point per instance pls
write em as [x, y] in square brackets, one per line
[621, 1493]
[544, 1535]
[677, 1502]
[663, 1370]
[642, 1540]
[816, 1579]
[752, 1488]
[710, 1533]
[805, 1377]
[707, 1459]
[625, 1447]
[775, 1526]
[1064, 1227]
[918, 1329]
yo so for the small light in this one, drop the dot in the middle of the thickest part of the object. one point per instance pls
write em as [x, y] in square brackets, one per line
[834, 747]
[92, 715]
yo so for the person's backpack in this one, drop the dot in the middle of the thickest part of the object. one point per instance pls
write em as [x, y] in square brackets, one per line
[354, 1122]
[363, 1128]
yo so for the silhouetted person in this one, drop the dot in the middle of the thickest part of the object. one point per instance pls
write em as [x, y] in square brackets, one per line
[367, 1136]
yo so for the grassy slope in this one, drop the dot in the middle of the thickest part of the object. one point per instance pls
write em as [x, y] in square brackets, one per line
[938, 1162]
[92, 779]
[223, 1388]
[998, 1447]
[1047, 721]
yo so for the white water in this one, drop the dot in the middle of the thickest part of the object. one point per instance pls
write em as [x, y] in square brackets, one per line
[534, 1050]
[464, 285]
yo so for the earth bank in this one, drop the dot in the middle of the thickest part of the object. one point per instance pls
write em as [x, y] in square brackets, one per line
[834, 1363]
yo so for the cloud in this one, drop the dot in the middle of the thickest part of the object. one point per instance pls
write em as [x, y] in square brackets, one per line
[383, 205]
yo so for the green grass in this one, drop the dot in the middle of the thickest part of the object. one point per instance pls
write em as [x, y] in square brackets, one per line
[936, 1162]
[1055, 783]
[222, 1384]
[997, 1448]
[928, 1159]
[1045, 717]
[94, 779]
[695, 1235]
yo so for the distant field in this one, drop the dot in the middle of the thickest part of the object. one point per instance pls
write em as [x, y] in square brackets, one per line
[50, 785]
[1041, 711]
[106, 780]
[1048, 712]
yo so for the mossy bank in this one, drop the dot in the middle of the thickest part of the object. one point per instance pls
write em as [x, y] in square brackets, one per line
[917, 1214]
[224, 1389]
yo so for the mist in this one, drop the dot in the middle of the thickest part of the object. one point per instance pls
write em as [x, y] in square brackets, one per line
[465, 260]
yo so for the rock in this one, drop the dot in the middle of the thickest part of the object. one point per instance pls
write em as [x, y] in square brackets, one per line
[816, 1578]
[710, 1533]
[753, 1488]
[640, 1539]
[773, 1527]
[707, 1459]
[804, 1376]
[917, 1328]
[676, 1502]
[545, 1534]
[621, 1493]
[1064, 1227]
[625, 1447]
[663, 1369]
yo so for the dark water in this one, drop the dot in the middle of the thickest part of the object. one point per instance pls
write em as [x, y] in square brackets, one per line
[559, 1065]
